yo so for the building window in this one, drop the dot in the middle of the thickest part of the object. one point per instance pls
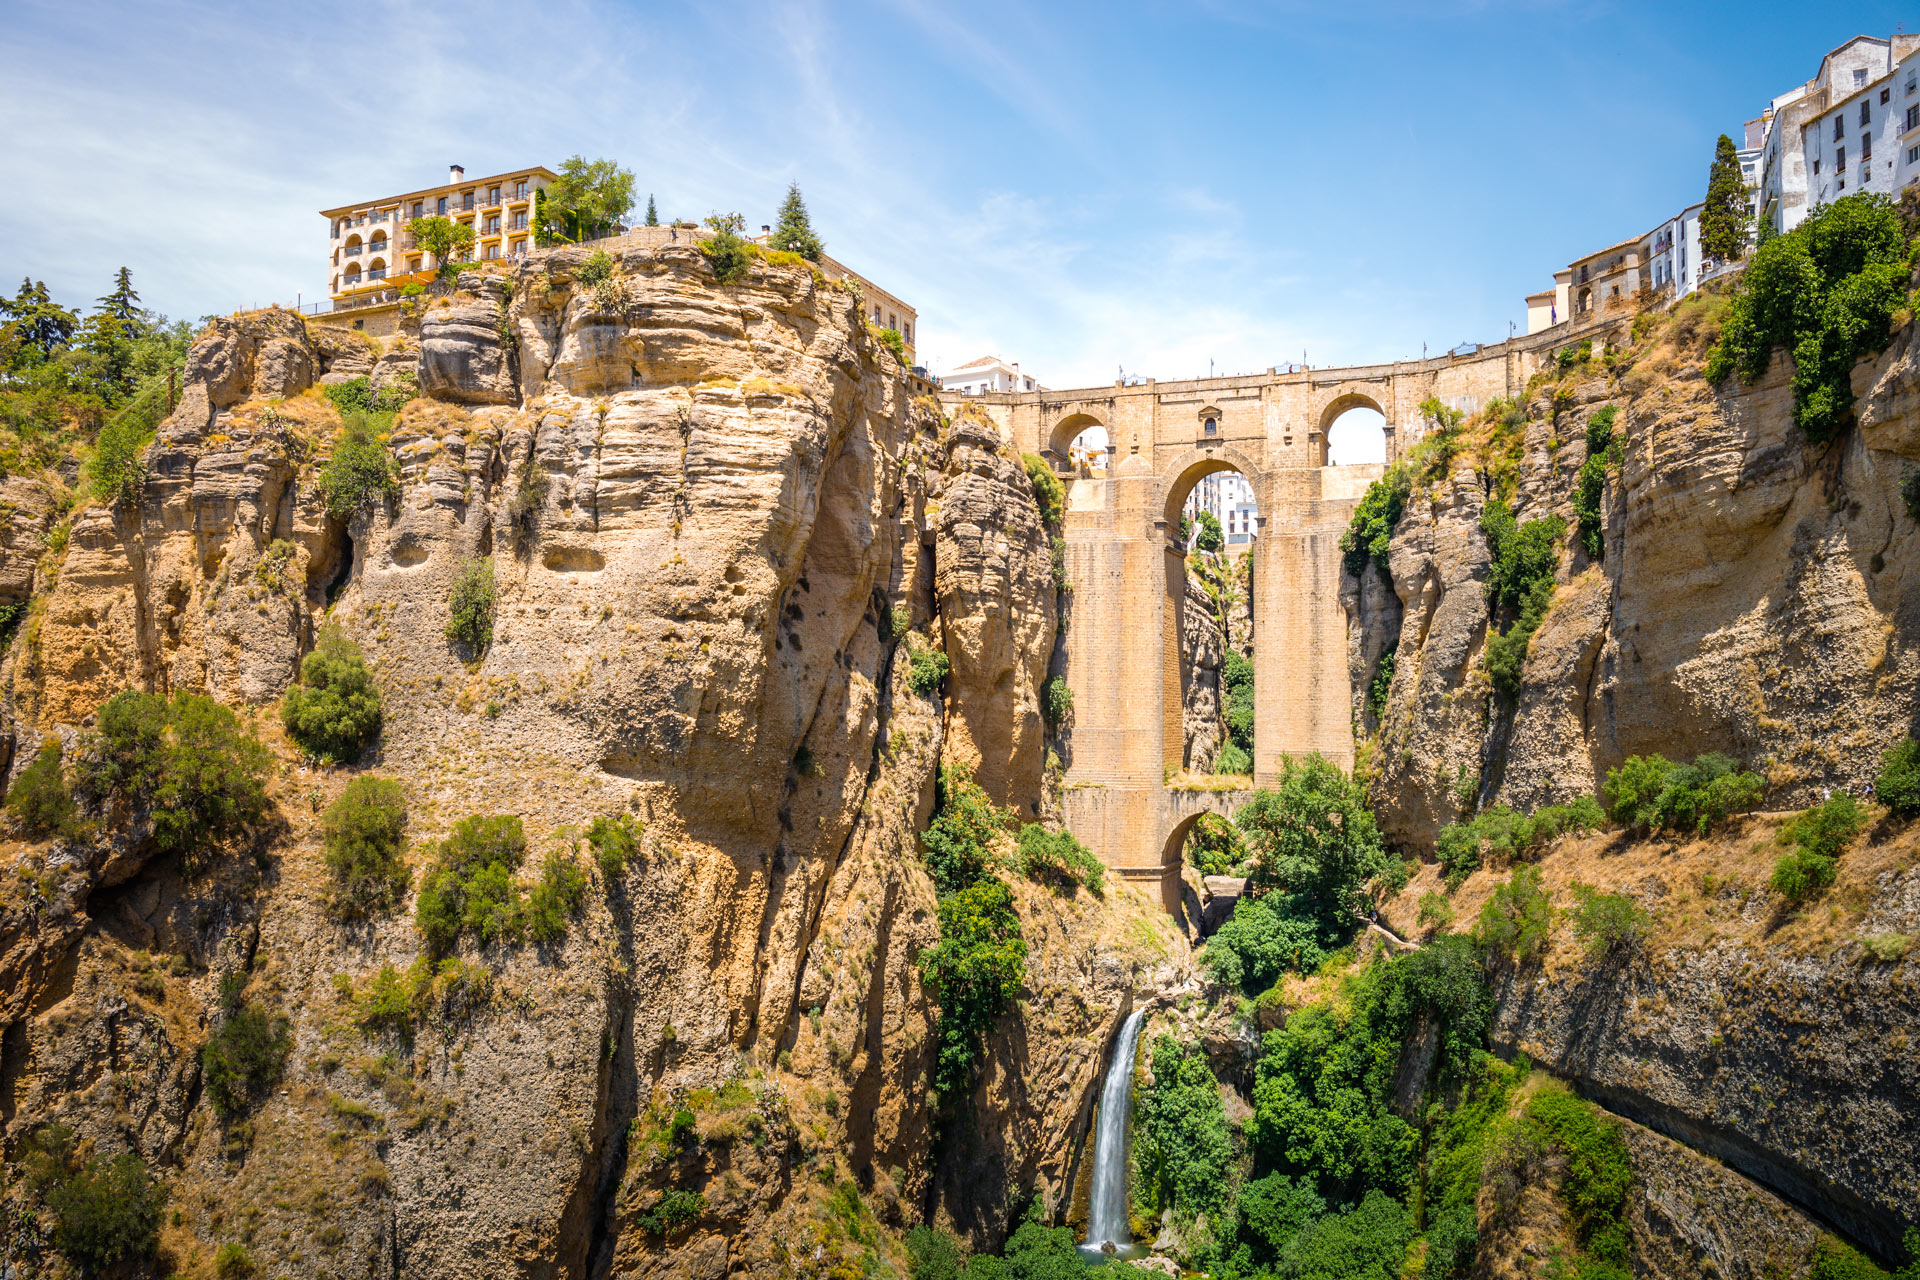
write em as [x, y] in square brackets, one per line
[1839, 159]
[1213, 426]
[520, 221]
[413, 263]
[520, 189]
[441, 206]
[1866, 146]
[493, 225]
[1913, 155]
[493, 195]
[1839, 128]
[1866, 113]
[1859, 78]
[466, 199]
[1885, 96]
[416, 208]
[1816, 166]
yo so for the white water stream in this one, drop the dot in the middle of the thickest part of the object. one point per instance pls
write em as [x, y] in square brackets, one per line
[1107, 1209]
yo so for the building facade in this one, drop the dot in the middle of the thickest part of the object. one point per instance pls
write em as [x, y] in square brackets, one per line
[1228, 498]
[370, 252]
[1843, 132]
[988, 374]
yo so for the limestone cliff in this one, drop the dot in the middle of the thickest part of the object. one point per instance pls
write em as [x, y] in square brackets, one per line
[709, 511]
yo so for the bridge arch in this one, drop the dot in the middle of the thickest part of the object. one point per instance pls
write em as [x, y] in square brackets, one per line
[1336, 409]
[1066, 431]
[1191, 467]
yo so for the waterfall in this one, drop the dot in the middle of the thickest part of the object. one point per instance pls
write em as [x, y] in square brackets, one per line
[1107, 1211]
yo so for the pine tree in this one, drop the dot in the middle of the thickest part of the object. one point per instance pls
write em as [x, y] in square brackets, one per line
[1724, 222]
[123, 304]
[653, 215]
[795, 232]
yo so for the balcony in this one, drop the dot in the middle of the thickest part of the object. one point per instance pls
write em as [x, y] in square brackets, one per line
[378, 273]
[353, 250]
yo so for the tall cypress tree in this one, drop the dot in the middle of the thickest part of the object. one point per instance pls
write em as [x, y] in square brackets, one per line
[795, 232]
[653, 215]
[1724, 222]
[123, 304]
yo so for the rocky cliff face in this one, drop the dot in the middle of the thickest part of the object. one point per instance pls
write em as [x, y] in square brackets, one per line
[1756, 596]
[708, 511]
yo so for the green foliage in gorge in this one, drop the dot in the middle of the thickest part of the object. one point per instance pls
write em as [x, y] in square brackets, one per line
[727, 249]
[470, 607]
[1522, 559]
[361, 473]
[1501, 835]
[1819, 836]
[1382, 682]
[1262, 941]
[105, 1212]
[1057, 858]
[1314, 839]
[334, 711]
[959, 841]
[973, 973]
[1056, 701]
[615, 842]
[243, 1059]
[1369, 534]
[188, 762]
[928, 670]
[1826, 291]
[1603, 456]
[1517, 921]
[1049, 494]
[1236, 696]
[470, 884]
[1599, 1173]
[1898, 786]
[1652, 793]
[40, 799]
[1213, 845]
[1607, 922]
[1183, 1151]
[1210, 537]
[364, 831]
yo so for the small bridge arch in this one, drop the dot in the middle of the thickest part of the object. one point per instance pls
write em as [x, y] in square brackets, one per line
[1343, 402]
[1182, 808]
[1066, 431]
[1196, 464]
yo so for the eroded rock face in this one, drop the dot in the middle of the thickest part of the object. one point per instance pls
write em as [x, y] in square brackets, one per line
[994, 583]
[707, 513]
[1756, 597]
[1202, 650]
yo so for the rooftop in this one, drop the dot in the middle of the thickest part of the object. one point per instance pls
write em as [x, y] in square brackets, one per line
[534, 169]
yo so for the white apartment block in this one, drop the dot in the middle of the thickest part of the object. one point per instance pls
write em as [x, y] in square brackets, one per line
[1843, 132]
[1906, 104]
[1228, 497]
[1671, 252]
[988, 373]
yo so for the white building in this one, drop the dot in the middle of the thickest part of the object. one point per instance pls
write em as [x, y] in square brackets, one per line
[1671, 252]
[1843, 132]
[988, 373]
[1227, 497]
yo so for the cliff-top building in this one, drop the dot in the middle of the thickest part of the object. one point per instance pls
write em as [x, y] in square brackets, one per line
[370, 254]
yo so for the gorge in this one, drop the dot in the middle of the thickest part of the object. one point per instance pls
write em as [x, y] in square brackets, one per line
[751, 814]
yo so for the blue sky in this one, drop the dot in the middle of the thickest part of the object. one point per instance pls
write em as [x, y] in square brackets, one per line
[1162, 187]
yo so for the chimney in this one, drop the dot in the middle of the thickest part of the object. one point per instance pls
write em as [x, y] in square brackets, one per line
[455, 173]
[765, 229]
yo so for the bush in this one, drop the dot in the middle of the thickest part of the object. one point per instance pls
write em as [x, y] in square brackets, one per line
[1056, 701]
[1652, 793]
[1315, 838]
[1057, 858]
[40, 800]
[105, 1212]
[959, 840]
[117, 469]
[1453, 1238]
[597, 269]
[1210, 537]
[200, 776]
[361, 473]
[1520, 572]
[726, 249]
[934, 1255]
[1382, 682]
[929, 668]
[1236, 697]
[364, 831]
[356, 395]
[1518, 920]
[1898, 786]
[1213, 845]
[1261, 942]
[1826, 291]
[1182, 1148]
[334, 712]
[615, 842]
[674, 1211]
[1501, 835]
[1829, 827]
[1603, 455]
[1049, 495]
[1607, 921]
[1800, 875]
[1366, 1243]
[232, 1262]
[973, 973]
[1599, 1171]
[244, 1058]
[891, 340]
[470, 884]
[1833, 1259]
[1436, 910]
[1369, 535]
[470, 607]
[555, 898]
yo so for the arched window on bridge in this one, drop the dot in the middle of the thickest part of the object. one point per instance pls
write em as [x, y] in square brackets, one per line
[1358, 435]
[1089, 449]
[1218, 534]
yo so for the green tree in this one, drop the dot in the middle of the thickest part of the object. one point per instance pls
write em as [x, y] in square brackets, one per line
[587, 201]
[727, 248]
[448, 241]
[40, 798]
[244, 1058]
[361, 473]
[794, 230]
[122, 305]
[959, 841]
[653, 216]
[470, 606]
[1725, 222]
[1898, 786]
[1210, 538]
[1369, 535]
[1315, 839]
[364, 831]
[1261, 942]
[35, 322]
[973, 973]
[105, 1212]
[334, 711]
[470, 883]
[1518, 919]
[1048, 493]
[1182, 1147]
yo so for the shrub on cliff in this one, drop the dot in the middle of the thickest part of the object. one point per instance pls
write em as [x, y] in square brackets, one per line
[364, 831]
[555, 897]
[1517, 921]
[470, 884]
[1827, 292]
[615, 842]
[1056, 701]
[1652, 793]
[105, 1212]
[1501, 834]
[959, 842]
[1818, 836]
[40, 799]
[1898, 786]
[727, 249]
[928, 668]
[1213, 845]
[1263, 940]
[1314, 837]
[1910, 493]
[1369, 534]
[1599, 1172]
[1606, 922]
[334, 711]
[973, 973]
[361, 472]
[358, 396]
[200, 776]
[1603, 456]
[244, 1058]
[470, 606]
[117, 468]
[1236, 697]
[1048, 493]
[1058, 859]
[1522, 559]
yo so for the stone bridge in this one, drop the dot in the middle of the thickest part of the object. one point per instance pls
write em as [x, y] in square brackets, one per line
[1123, 657]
